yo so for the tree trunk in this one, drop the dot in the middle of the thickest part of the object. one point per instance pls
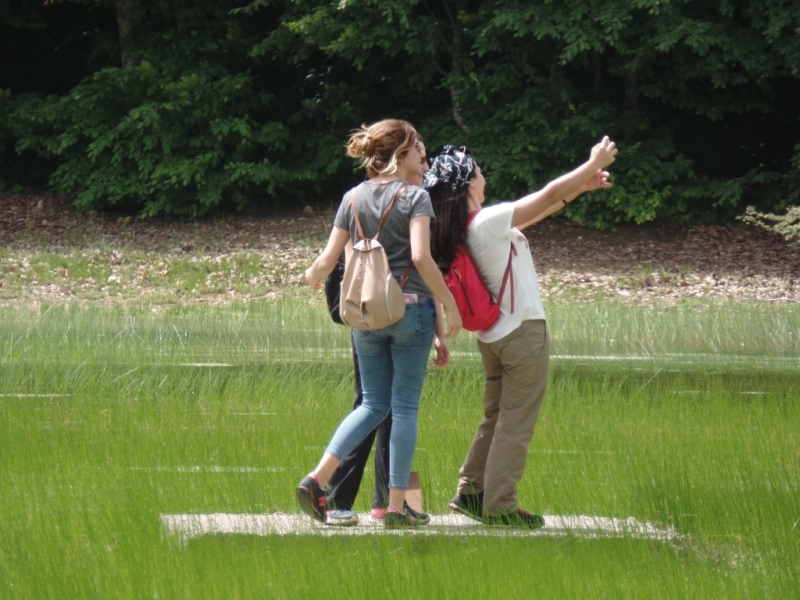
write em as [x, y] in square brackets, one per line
[455, 55]
[128, 17]
[457, 116]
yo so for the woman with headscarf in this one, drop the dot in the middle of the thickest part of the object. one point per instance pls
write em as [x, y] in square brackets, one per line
[515, 351]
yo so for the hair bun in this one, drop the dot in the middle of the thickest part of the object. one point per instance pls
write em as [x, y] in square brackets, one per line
[361, 145]
[380, 145]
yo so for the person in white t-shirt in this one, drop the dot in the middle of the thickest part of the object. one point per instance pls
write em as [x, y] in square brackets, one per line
[515, 350]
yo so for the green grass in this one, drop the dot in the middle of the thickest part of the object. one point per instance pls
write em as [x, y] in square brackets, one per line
[686, 417]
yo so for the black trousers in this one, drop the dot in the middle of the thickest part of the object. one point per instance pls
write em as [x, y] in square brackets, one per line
[343, 486]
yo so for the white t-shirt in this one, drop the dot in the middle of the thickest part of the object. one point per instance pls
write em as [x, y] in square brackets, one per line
[489, 236]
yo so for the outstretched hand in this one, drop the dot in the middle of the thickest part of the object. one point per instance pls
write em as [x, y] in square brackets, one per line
[603, 153]
[598, 181]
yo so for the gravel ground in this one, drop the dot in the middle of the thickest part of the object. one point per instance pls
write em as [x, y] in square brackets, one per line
[52, 254]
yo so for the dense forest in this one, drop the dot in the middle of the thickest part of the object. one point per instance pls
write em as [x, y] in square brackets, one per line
[188, 107]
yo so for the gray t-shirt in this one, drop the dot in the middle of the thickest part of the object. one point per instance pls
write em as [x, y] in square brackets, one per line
[372, 200]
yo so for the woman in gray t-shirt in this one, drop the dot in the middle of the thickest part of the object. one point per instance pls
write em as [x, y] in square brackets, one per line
[393, 360]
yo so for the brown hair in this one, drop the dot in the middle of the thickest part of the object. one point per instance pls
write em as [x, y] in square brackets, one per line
[381, 144]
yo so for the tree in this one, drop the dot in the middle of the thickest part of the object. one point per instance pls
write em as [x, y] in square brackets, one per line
[189, 106]
[532, 85]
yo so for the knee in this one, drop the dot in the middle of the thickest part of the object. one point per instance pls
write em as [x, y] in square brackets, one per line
[378, 411]
[404, 410]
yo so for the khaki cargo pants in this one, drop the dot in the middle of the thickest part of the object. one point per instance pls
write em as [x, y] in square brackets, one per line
[517, 368]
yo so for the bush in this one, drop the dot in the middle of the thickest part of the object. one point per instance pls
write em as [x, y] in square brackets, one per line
[788, 224]
[139, 139]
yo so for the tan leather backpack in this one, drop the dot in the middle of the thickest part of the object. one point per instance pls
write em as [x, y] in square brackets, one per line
[371, 297]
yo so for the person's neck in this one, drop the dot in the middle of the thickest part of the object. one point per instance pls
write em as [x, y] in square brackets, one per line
[473, 204]
[397, 176]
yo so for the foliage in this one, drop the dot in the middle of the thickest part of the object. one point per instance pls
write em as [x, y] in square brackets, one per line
[168, 145]
[181, 137]
[530, 87]
[187, 130]
[6, 139]
[788, 224]
[224, 103]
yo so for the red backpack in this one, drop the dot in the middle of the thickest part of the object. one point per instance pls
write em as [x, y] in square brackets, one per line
[476, 306]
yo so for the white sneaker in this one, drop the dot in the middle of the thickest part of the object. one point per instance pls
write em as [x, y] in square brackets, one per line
[342, 518]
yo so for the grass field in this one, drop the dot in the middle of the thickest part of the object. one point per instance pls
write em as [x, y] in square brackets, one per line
[685, 417]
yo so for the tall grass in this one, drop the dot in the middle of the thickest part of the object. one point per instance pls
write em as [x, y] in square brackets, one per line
[111, 417]
[721, 330]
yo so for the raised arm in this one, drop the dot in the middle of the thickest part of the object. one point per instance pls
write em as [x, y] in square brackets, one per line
[536, 206]
[599, 181]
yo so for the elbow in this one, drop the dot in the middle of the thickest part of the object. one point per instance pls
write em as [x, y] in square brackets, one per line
[330, 263]
[324, 265]
[552, 194]
[421, 259]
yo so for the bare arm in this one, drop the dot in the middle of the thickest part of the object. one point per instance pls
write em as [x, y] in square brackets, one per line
[440, 339]
[326, 261]
[423, 261]
[598, 181]
[535, 206]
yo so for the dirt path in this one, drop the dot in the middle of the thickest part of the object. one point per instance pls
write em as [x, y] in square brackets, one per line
[654, 262]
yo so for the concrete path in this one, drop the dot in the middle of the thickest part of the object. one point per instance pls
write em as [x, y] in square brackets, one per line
[187, 526]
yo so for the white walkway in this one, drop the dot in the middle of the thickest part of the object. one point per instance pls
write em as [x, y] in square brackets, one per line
[187, 526]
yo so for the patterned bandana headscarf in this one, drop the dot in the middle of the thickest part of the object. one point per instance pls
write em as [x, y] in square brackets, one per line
[452, 167]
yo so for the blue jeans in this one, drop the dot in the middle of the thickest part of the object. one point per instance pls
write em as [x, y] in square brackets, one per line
[393, 362]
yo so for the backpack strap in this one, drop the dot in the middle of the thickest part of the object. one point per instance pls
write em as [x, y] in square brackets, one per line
[360, 231]
[506, 276]
[404, 278]
[385, 218]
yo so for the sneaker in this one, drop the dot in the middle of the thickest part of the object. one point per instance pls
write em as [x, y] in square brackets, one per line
[421, 517]
[394, 519]
[470, 505]
[518, 518]
[342, 518]
[377, 513]
[311, 497]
